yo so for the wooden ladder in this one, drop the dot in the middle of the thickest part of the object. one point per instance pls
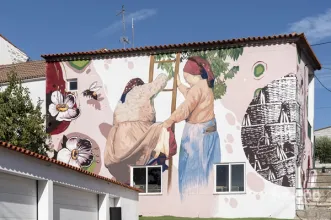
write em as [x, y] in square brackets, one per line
[173, 99]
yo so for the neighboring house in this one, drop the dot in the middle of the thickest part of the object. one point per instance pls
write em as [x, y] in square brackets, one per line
[32, 74]
[9, 53]
[244, 150]
[37, 187]
[323, 132]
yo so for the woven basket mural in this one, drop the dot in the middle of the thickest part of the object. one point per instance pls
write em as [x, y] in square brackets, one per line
[269, 113]
[281, 90]
[270, 131]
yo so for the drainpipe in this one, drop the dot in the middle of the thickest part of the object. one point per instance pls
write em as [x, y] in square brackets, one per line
[314, 152]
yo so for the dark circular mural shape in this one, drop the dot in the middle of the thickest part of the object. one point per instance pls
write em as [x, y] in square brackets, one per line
[270, 132]
[86, 147]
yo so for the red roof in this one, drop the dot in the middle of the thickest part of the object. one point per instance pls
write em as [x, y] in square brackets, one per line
[300, 39]
[24, 70]
[44, 158]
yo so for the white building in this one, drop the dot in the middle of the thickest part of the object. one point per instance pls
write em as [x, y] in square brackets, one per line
[32, 74]
[33, 186]
[9, 53]
[323, 132]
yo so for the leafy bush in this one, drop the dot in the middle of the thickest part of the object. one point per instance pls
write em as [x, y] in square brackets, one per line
[323, 149]
[22, 123]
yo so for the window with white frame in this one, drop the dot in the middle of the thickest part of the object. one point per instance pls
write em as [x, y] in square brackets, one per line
[72, 85]
[147, 178]
[230, 178]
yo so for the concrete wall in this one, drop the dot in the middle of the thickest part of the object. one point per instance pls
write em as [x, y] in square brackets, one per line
[52, 176]
[9, 54]
[270, 189]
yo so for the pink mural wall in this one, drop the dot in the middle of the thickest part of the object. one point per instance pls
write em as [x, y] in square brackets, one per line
[236, 105]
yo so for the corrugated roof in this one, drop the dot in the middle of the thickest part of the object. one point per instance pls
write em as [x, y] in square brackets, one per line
[24, 70]
[65, 165]
[300, 39]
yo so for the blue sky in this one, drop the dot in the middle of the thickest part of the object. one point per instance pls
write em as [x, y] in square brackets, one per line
[42, 27]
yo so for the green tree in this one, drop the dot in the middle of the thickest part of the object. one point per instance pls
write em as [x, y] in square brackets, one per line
[22, 123]
[323, 149]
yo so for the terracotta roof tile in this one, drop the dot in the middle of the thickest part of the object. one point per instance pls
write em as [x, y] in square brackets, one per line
[44, 158]
[300, 39]
[24, 70]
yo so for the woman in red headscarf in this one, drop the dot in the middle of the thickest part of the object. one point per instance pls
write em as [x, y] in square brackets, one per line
[200, 144]
[135, 138]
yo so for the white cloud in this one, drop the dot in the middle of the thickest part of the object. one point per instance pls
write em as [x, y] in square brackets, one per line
[137, 16]
[315, 27]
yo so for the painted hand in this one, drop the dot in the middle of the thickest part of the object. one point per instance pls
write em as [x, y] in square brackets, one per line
[166, 124]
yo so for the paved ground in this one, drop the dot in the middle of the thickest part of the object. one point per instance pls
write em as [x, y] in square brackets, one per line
[174, 218]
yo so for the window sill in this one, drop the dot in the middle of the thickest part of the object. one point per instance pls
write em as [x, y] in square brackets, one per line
[229, 193]
[150, 194]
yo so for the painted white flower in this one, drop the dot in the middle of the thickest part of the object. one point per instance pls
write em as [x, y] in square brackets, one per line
[76, 152]
[63, 109]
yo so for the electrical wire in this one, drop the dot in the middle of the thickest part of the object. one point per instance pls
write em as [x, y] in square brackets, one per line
[323, 107]
[321, 83]
[327, 42]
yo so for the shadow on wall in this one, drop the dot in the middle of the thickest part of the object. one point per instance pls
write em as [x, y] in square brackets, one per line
[271, 133]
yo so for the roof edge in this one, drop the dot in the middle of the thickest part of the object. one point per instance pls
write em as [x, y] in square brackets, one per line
[173, 48]
[13, 45]
[62, 164]
[303, 43]
[322, 128]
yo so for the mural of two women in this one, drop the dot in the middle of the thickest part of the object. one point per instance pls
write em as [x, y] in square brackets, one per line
[135, 136]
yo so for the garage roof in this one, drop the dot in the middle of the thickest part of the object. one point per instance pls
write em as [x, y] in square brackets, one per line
[45, 158]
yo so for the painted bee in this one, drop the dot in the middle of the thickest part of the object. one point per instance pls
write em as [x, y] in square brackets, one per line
[92, 91]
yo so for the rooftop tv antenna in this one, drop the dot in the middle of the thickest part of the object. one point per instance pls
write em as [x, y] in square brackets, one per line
[123, 38]
[132, 34]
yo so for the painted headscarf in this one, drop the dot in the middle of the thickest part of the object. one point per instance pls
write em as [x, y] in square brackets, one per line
[129, 86]
[198, 66]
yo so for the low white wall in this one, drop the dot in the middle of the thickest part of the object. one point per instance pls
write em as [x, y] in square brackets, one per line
[19, 164]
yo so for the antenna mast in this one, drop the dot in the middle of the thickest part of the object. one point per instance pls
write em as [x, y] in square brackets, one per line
[132, 34]
[123, 38]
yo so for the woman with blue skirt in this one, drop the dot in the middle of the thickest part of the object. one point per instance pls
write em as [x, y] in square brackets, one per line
[200, 144]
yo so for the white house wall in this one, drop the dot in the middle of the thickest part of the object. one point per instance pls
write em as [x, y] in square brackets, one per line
[323, 132]
[9, 54]
[262, 198]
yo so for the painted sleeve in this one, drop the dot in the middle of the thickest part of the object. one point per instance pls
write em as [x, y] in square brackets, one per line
[186, 108]
[183, 89]
[154, 87]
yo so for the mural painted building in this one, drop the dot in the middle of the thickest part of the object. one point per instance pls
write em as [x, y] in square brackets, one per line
[214, 129]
